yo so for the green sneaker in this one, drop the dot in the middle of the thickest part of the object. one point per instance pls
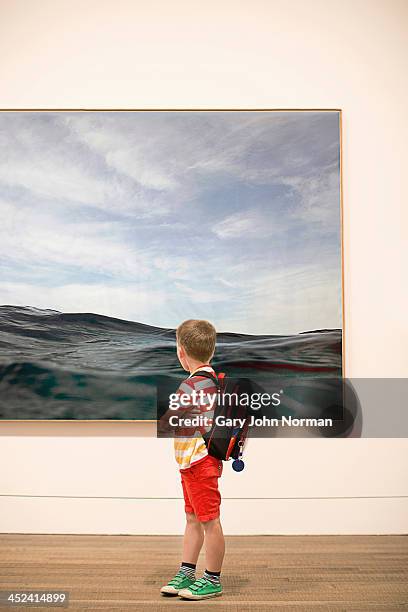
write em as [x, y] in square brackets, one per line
[180, 581]
[201, 589]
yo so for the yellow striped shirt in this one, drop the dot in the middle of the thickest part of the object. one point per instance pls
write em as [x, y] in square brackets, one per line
[189, 450]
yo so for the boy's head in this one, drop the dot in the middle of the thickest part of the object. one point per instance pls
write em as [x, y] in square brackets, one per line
[195, 342]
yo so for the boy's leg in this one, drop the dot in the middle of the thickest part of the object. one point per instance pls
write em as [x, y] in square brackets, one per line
[192, 544]
[214, 545]
[206, 499]
[193, 539]
[210, 584]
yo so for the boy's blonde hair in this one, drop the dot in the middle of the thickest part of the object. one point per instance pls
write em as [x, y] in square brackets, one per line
[197, 337]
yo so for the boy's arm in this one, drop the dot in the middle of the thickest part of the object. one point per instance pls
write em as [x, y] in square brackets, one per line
[187, 407]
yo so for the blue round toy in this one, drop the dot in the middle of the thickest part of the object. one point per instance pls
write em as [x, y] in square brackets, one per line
[238, 465]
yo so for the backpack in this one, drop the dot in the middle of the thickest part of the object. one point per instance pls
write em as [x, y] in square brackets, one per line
[227, 442]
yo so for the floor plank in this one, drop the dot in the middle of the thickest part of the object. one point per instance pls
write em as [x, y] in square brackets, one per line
[259, 573]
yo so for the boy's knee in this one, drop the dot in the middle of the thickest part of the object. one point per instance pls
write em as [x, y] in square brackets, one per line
[191, 518]
[211, 524]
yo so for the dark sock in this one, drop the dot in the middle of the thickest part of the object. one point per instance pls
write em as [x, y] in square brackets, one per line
[188, 569]
[212, 576]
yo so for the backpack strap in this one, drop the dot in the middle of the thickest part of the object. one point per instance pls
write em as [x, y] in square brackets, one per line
[206, 374]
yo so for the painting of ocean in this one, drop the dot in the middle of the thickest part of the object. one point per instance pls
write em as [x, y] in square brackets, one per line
[119, 225]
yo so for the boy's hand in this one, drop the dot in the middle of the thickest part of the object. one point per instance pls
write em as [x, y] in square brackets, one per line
[192, 410]
[163, 424]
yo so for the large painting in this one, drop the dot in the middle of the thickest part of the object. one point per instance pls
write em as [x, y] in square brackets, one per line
[117, 226]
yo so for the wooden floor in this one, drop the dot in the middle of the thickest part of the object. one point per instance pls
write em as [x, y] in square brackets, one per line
[260, 573]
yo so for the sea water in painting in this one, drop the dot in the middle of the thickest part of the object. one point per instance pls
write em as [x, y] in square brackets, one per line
[117, 226]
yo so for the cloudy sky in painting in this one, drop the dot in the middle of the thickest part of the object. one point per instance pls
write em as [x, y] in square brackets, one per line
[161, 216]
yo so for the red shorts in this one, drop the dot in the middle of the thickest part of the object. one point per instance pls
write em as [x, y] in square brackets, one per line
[200, 488]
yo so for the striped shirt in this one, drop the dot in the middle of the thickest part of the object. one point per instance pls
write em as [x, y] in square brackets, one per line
[190, 447]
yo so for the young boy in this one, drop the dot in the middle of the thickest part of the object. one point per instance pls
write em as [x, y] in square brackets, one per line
[199, 470]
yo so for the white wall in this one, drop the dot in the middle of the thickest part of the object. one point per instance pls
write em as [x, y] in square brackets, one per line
[93, 477]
